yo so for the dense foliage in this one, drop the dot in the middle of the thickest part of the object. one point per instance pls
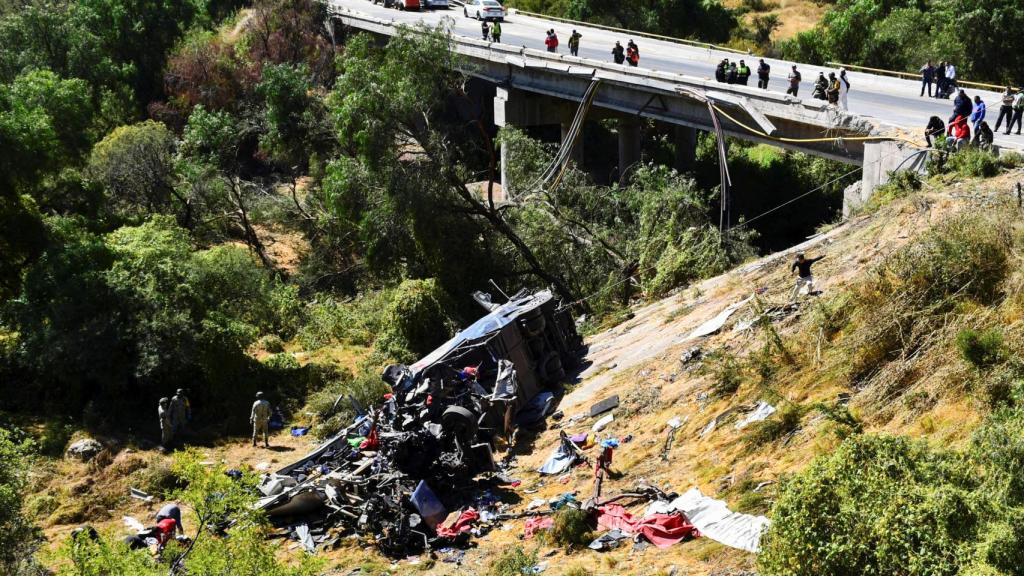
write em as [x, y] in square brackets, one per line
[18, 538]
[213, 497]
[981, 37]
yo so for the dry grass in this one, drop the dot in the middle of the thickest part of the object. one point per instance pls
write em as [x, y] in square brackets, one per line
[935, 403]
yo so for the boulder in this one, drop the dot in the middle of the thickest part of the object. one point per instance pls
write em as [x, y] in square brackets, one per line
[84, 450]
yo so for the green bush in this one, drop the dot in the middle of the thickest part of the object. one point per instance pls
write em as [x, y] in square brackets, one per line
[973, 161]
[876, 505]
[18, 536]
[415, 322]
[726, 373]
[330, 407]
[513, 561]
[980, 349]
[900, 184]
[572, 528]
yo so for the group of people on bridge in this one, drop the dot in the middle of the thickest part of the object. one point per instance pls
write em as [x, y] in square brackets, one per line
[969, 115]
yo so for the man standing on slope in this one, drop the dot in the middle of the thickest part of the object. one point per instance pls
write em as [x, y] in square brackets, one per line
[803, 267]
[163, 412]
[260, 418]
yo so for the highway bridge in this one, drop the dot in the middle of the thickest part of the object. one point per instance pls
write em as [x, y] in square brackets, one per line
[673, 84]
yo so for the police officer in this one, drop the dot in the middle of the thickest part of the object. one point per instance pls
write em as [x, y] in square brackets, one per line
[260, 418]
[166, 424]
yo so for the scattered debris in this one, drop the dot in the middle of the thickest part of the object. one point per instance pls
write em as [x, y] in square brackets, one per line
[662, 529]
[604, 421]
[399, 468]
[715, 324]
[760, 412]
[84, 450]
[604, 406]
[714, 520]
[609, 540]
[139, 495]
[694, 354]
[536, 524]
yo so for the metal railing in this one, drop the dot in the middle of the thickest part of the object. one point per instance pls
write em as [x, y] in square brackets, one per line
[912, 75]
[640, 34]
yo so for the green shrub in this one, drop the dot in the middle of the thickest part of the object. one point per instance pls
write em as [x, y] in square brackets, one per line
[980, 349]
[784, 421]
[513, 561]
[726, 373]
[1011, 159]
[904, 299]
[572, 528]
[415, 322]
[157, 478]
[55, 437]
[973, 161]
[998, 447]
[900, 184]
[330, 406]
[876, 505]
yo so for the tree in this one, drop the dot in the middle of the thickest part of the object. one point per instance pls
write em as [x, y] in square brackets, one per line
[18, 537]
[292, 115]
[391, 126]
[135, 165]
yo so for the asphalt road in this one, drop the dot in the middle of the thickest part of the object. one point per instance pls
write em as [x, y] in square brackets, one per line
[890, 100]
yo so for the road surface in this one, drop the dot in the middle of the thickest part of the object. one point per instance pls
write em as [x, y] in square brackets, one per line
[891, 101]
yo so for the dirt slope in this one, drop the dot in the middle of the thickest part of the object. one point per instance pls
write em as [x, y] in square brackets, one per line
[641, 361]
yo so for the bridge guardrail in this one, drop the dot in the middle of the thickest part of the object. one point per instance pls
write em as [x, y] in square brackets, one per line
[912, 75]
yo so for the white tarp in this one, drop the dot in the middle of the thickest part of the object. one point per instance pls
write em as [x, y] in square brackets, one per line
[716, 323]
[714, 520]
[761, 412]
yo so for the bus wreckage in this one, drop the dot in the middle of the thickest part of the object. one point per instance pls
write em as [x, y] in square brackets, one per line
[396, 472]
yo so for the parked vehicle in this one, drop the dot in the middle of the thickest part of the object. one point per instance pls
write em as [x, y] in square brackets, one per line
[407, 4]
[484, 10]
[436, 4]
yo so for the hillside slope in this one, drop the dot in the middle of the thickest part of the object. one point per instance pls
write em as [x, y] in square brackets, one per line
[797, 361]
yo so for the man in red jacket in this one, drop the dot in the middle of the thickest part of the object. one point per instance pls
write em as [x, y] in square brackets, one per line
[960, 132]
[551, 41]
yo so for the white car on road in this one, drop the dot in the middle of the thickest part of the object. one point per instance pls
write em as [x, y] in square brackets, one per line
[484, 10]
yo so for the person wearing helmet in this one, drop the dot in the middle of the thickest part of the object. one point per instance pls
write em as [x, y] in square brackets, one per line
[260, 418]
[163, 411]
[180, 411]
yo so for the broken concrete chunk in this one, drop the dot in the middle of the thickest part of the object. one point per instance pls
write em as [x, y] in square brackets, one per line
[604, 405]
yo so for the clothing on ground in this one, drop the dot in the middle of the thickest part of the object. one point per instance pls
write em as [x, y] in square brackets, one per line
[661, 529]
[561, 459]
[462, 524]
[536, 524]
[714, 520]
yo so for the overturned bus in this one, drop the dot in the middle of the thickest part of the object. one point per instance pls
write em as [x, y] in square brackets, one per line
[400, 466]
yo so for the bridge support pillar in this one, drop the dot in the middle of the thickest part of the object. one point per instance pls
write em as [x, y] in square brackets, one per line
[629, 145]
[686, 147]
[881, 159]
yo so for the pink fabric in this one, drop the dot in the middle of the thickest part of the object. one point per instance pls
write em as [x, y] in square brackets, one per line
[462, 524]
[536, 524]
[662, 530]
